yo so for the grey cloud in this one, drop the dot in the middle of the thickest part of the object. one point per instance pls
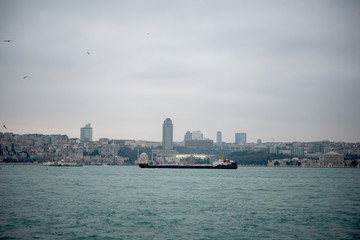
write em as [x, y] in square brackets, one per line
[269, 68]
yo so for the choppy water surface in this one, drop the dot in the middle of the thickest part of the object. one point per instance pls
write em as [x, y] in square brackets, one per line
[132, 203]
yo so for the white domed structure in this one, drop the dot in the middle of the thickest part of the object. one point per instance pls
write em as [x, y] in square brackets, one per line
[143, 158]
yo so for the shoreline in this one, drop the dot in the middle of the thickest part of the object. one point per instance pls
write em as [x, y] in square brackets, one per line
[19, 163]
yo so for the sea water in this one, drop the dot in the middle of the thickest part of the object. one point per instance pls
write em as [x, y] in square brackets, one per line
[126, 202]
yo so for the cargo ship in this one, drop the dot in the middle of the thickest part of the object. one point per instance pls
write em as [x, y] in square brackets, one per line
[221, 164]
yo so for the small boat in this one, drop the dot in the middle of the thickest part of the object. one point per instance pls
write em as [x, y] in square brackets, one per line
[221, 164]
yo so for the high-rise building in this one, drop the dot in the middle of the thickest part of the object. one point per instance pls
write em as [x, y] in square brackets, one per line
[167, 141]
[298, 150]
[86, 133]
[218, 137]
[240, 138]
[188, 136]
[274, 149]
[321, 147]
[197, 135]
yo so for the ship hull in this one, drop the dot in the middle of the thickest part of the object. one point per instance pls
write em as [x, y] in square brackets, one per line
[65, 165]
[228, 166]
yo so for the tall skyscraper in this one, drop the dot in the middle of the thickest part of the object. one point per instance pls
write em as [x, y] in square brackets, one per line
[167, 134]
[240, 138]
[86, 133]
[218, 137]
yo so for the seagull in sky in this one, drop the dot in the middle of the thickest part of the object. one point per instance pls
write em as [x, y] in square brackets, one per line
[4, 126]
[7, 40]
[88, 53]
[25, 77]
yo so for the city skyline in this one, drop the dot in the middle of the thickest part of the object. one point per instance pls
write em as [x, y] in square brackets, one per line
[270, 69]
[167, 133]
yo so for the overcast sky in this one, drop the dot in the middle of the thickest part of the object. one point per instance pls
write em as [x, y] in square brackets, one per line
[277, 70]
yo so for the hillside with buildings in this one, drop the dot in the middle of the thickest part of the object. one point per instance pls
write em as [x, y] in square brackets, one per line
[40, 148]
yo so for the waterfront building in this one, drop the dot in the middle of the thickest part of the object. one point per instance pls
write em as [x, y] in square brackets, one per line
[218, 137]
[167, 141]
[331, 159]
[327, 160]
[294, 162]
[240, 138]
[86, 133]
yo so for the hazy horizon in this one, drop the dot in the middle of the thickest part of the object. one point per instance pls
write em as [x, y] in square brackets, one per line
[277, 70]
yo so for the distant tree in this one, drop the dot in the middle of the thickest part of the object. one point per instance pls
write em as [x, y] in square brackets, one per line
[351, 156]
[95, 153]
[279, 156]
[354, 163]
[129, 153]
[181, 149]
[249, 157]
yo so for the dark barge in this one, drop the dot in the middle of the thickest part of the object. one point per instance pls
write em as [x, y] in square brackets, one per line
[222, 164]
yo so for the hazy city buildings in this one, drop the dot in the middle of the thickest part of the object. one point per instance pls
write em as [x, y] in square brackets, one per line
[167, 141]
[274, 149]
[196, 140]
[38, 148]
[197, 135]
[188, 136]
[86, 133]
[199, 143]
[240, 138]
[326, 160]
[218, 137]
[298, 151]
[321, 147]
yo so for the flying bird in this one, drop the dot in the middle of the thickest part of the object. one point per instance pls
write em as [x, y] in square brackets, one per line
[7, 40]
[88, 53]
[25, 77]
[4, 126]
